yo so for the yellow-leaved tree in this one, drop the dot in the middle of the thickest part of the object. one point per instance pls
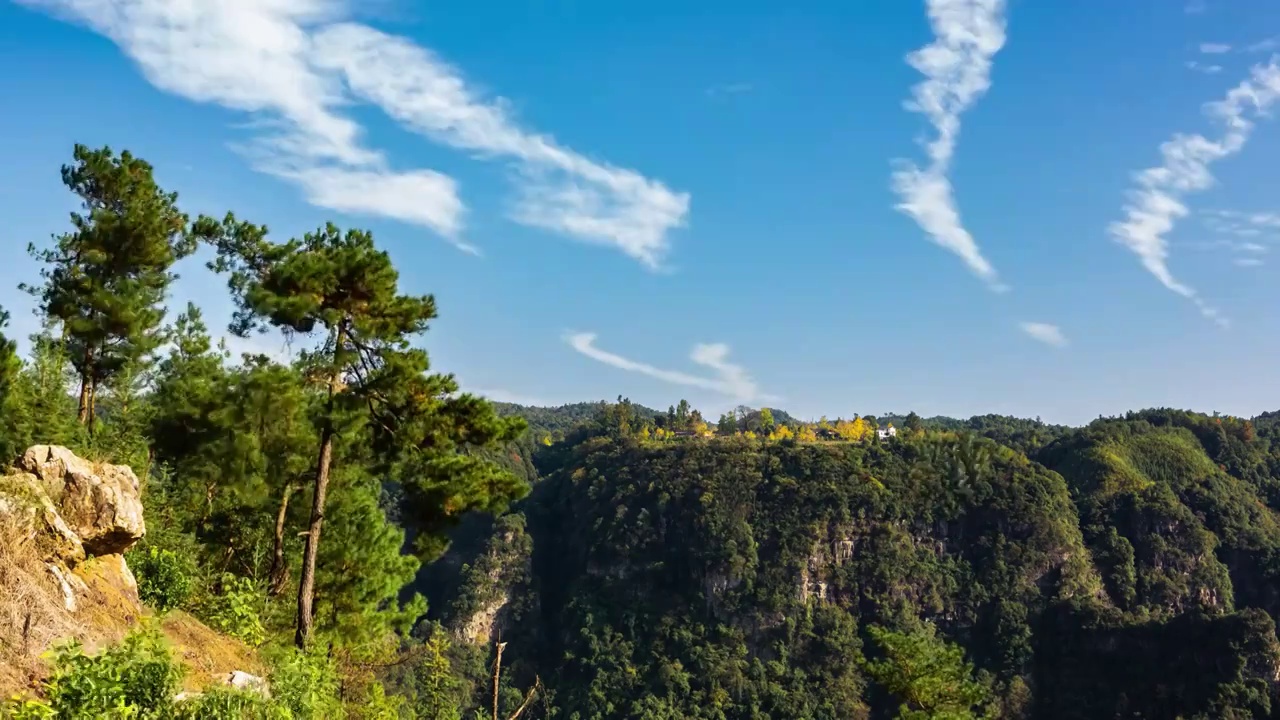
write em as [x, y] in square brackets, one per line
[855, 430]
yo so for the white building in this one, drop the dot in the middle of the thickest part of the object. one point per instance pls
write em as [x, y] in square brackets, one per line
[887, 432]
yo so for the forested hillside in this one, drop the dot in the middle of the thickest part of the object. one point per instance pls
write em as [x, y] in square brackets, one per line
[378, 544]
[1125, 570]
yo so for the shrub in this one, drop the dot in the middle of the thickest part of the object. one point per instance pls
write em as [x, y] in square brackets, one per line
[234, 611]
[306, 685]
[164, 578]
[135, 679]
[138, 680]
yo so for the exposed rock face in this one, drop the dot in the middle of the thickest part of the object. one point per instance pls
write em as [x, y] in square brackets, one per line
[100, 503]
[81, 517]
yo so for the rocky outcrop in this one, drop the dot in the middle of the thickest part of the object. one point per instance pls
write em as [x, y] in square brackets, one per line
[79, 517]
[65, 523]
[100, 503]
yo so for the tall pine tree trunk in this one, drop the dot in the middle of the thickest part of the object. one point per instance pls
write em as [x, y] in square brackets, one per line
[86, 400]
[307, 582]
[85, 411]
[279, 568]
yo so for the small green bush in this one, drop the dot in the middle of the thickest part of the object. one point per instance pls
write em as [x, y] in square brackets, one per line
[235, 611]
[135, 679]
[138, 679]
[164, 578]
[306, 685]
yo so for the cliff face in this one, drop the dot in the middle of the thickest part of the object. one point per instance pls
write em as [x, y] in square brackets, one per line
[673, 574]
[1129, 572]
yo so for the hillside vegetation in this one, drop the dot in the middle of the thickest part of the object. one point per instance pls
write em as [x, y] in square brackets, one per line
[1125, 570]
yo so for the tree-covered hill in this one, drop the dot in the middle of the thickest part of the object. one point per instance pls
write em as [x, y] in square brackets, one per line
[1128, 570]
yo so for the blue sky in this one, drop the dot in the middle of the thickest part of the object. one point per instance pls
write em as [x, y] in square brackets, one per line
[731, 202]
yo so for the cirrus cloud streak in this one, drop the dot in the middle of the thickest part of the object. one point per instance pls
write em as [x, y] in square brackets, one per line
[728, 379]
[957, 70]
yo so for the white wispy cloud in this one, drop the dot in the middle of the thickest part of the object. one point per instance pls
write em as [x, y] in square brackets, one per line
[255, 58]
[1246, 224]
[957, 68]
[1214, 48]
[1200, 67]
[1245, 234]
[559, 189]
[1156, 204]
[296, 66]
[1264, 46]
[729, 379]
[1045, 333]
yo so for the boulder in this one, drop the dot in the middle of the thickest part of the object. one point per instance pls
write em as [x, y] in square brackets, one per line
[241, 680]
[99, 503]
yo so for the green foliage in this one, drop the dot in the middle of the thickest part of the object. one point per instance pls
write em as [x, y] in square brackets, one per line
[26, 709]
[724, 579]
[306, 684]
[234, 609]
[10, 402]
[38, 408]
[104, 282]
[417, 428]
[138, 679]
[562, 420]
[728, 579]
[502, 568]
[437, 690]
[381, 706]
[927, 674]
[362, 571]
[164, 577]
[229, 704]
[135, 679]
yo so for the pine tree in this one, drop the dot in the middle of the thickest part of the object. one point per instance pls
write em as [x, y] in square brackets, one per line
[125, 412]
[10, 365]
[340, 286]
[188, 425]
[10, 369]
[39, 409]
[104, 282]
